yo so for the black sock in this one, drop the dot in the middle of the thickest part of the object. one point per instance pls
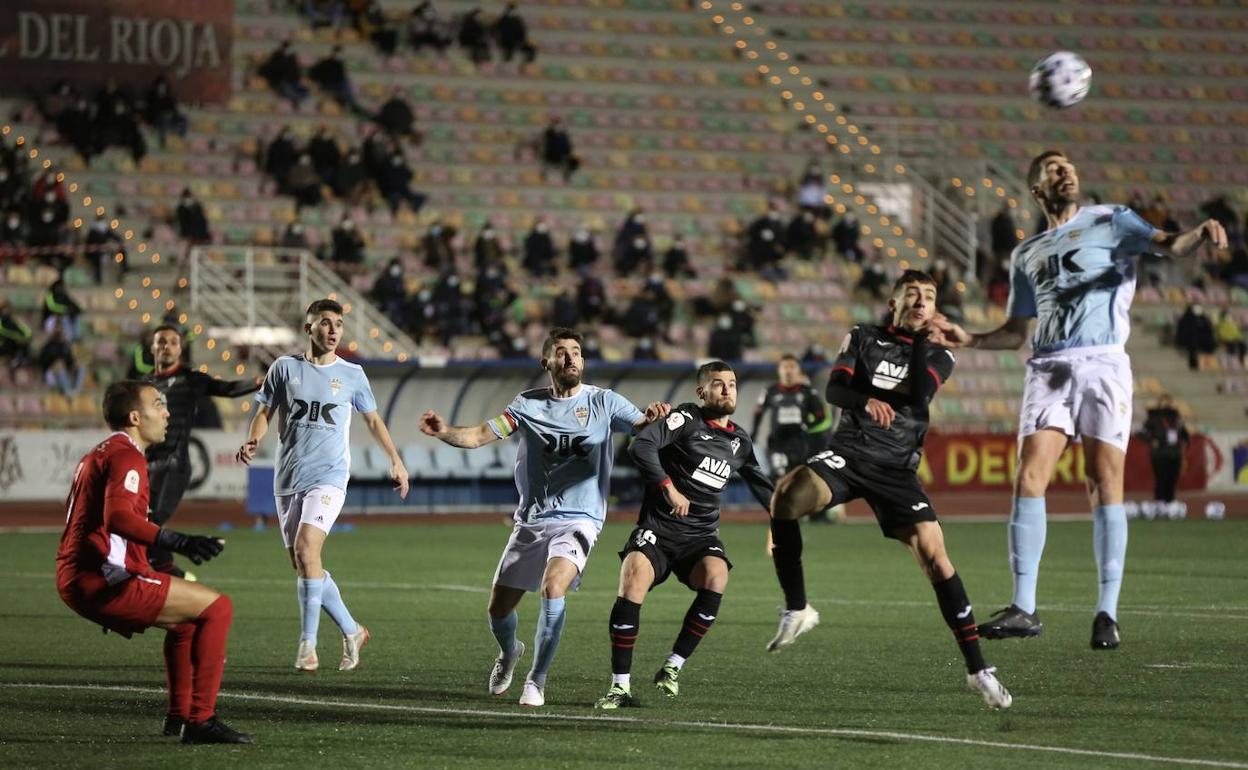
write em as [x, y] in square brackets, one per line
[957, 611]
[625, 618]
[698, 621]
[786, 552]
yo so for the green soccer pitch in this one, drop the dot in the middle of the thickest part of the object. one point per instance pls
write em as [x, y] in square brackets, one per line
[878, 684]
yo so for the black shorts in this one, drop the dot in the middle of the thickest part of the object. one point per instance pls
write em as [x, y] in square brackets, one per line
[784, 458]
[169, 477]
[673, 557]
[894, 494]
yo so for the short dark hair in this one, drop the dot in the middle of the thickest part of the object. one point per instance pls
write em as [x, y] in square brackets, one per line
[789, 357]
[166, 328]
[561, 333]
[913, 276]
[711, 367]
[321, 305]
[120, 399]
[1036, 169]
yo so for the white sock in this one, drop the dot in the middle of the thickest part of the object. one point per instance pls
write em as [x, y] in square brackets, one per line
[675, 660]
[621, 679]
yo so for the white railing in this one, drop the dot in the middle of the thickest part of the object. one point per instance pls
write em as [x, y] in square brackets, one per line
[256, 296]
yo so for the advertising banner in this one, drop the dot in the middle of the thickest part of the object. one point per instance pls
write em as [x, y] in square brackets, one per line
[129, 41]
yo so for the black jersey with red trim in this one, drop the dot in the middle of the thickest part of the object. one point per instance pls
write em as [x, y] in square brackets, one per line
[182, 389]
[896, 367]
[698, 458]
[794, 410]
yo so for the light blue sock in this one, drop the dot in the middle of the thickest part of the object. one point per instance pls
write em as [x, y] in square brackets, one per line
[331, 602]
[1026, 536]
[310, 590]
[1109, 540]
[504, 629]
[546, 641]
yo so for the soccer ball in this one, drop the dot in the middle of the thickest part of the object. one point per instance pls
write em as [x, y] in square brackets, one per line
[1060, 80]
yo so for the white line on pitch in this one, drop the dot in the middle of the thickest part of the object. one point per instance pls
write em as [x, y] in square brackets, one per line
[837, 732]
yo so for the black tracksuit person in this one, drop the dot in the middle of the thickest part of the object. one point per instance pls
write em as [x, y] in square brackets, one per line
[169, 462]
[685, 461]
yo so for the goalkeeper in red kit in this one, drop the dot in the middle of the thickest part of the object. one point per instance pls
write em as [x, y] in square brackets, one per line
[102, 571]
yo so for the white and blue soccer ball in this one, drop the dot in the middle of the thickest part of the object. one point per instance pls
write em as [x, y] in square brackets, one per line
[1060, 80]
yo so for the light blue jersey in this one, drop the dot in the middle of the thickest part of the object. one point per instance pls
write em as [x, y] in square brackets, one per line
[313, 407]
[1079, 279]
[563, 468]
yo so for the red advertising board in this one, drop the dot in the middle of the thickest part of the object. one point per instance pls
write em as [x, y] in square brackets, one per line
[986, 462]
[130, 41]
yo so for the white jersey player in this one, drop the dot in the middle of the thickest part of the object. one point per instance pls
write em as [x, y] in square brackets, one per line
[563, 468]
[1077, 280]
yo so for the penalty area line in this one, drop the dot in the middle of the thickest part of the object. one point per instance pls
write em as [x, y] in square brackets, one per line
[834, 732]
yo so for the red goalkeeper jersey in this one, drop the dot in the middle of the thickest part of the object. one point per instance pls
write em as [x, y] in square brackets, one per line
[107, 531]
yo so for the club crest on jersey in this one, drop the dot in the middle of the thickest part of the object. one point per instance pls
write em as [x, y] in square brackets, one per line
[735, 444]
[712, 472]
[335, 385]
[888, 375]
[582, 415]
[675, 420]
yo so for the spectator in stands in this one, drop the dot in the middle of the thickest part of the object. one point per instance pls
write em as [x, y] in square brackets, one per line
[11, 187]
[492, 296]
[439, 246]
[726, 342]
[115, 121]
[390, 291]
[539, 250]
[351, 182]
[582, 250]
[304, 183]
[1236, 269]
[487, 250]
[61, 311]
[280, 157]
[77, 126]
[56, 359]
[812, 192]
[591, 297]
[284, 74]
[326, 155]
[294, 237]
[421, 314]
[1194, 334]
[1217, 208]
[645, 350]
[192, 222]
[814, 355]
[1231, 337]
[802, 235]
[1167, 439]
[13, 236]
[667, 305]
[742, 314]
[57, 100]
[473, 38]
[557, 152]
[874, 280]
[396, 115]
[346, 243]
[765, 244]
[160, 110]
[378, 27]
[564, 311]
[513, 35]
[141, 361]
[1004, 233]
[323, 13]
[644, 314]
[454, 311]
[330, 73]
[102, 246]
[395, 185]
[633, 248]
[46, 231]
[845, 237]
[15, 337]
[426, 28]
[676, 262]
[1158, 215]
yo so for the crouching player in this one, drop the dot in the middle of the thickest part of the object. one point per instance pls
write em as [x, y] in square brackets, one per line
[102, 570]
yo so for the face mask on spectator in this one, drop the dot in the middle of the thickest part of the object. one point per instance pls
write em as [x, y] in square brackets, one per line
[99, 226]
[767, 235]
[396, 161]
[724, 322]
[296, 229]
[49, 197]
[48, 216]
[738, 306]
[639, 243]
[396, 271]
[14, 222]
[640, 219]
[487, 234]
[347, 224]
[425, 295]
[580, 236]
[540, 227]
[774, 216]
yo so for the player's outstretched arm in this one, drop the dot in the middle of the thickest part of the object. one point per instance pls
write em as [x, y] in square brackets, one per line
[1008, 336]
[655, 410]
[259, 426]
[381, 434]
[1181, 244]
[432, 424]
[234, 388]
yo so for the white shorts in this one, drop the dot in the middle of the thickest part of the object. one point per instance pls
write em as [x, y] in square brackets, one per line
[1083, 393]
[533, 544]
[317, 507]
